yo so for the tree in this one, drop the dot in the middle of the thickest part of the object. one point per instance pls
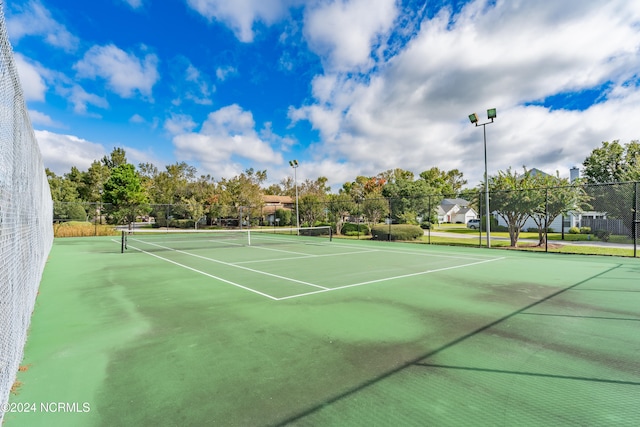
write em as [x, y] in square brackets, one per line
[613, 162]
[244, 194]
[408, 197]
[66, 203]
[611, 166]
[374, 208]
[555, 196]
[513, 200]
[117, 158]
[123, 190]
[311, 207]
[340, 206]
[445, 183]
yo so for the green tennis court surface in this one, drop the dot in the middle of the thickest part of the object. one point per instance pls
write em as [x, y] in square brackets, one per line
[307, 332]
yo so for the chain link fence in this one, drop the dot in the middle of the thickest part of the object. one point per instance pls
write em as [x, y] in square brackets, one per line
[553, 219]
[25, 219]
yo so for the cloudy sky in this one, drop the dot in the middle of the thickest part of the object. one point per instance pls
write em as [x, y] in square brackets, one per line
[346, 87]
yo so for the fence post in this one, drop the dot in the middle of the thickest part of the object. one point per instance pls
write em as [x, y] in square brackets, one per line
[546, 219]
[635, 219]
[389, 235]
[429, 219]
[480, 224]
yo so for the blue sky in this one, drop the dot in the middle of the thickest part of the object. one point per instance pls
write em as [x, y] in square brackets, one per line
[346, 87]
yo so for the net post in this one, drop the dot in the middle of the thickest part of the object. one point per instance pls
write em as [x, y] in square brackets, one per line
[122, 244]
[330, 234]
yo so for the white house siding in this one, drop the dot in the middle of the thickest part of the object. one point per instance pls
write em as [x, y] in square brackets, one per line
[556, 224]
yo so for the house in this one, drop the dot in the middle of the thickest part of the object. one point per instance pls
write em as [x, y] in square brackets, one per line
[573, 218]
[455, 211]
[273, 203]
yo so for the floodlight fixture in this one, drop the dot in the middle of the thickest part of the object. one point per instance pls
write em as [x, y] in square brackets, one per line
[293, 163]
[473, 118]
[491, 113]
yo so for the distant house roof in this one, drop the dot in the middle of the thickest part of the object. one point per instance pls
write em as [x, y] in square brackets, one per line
[536, 172]
[460, 202]
[267, 198]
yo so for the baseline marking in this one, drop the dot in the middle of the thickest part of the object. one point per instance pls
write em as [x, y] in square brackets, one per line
[301, 257]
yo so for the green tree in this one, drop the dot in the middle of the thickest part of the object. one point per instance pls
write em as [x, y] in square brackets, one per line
[66, 203]
[613, 162]
[244, 193]
[445, 183]
[374, 208]
[339, 207]
[408, 198]
[117, 158]
[123, 191]
[311, 207]
[610, 166]
[555, 196]
[513, 200]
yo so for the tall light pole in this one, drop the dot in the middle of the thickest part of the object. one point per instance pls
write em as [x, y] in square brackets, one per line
[294, 165]
[491, 114]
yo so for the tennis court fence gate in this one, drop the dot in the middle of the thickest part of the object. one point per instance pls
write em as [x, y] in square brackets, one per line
[26, 210]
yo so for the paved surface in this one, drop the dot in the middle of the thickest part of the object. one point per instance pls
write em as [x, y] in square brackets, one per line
[558, 242]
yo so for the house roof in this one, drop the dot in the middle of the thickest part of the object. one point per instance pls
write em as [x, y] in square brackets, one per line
[268, 198]
[463, 211]
[457, 201]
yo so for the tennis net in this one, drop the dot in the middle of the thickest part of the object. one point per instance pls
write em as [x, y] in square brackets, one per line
[154, 240]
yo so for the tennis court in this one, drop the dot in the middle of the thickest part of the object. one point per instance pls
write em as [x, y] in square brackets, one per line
[307, 331]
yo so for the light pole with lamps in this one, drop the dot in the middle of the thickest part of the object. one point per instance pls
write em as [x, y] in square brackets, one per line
[294, 164]
[491, 114]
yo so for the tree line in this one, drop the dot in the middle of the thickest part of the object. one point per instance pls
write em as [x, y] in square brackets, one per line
[126, 192]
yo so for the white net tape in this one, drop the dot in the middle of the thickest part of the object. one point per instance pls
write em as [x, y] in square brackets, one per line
[26, 214]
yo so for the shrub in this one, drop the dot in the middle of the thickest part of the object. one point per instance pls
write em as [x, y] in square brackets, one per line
[398, 232]
[82, 229]
[352, 227]
[584, 230]
[603, 235]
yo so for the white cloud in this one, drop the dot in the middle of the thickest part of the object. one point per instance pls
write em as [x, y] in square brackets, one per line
[195, 86]
[33, 19]
[222, 73]
[240, 15]
[226, 134]
[179, 123]
[81, 99]
[135, 4]
[61, 152]
[33, 85]
[344, 32]
[412, 112]
[124, 72]
[39, 118]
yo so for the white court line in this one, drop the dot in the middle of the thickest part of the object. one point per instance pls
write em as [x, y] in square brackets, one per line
[206, 274]
[302, 257]
[236, 266]
[415, 252]
[322, 288]
[389, 278]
